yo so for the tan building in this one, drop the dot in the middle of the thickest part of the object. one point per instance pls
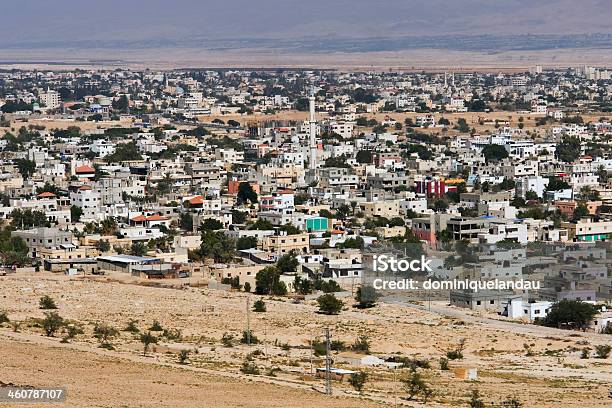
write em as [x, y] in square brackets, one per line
[284, 244]
[67, 252]
[386, 208]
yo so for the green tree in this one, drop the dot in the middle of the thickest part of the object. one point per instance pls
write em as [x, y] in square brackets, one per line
[494, 152]
[568, 150]
[25, 167]
[217, 245]
[570, 313]
[415, 386]
[531, 196]
[364, 156]
[246, 194]
[287, 263]
[267, 282]
[580, 211]
[75, 213]
[556, 184]
[329, 304]
[366, 296]
[211, 224]
[138, 249]
[246, 242]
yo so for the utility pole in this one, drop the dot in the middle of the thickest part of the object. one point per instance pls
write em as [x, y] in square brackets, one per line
[328, 384]
[248, 311]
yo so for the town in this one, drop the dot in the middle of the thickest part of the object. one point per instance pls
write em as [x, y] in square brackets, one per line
[228, 223]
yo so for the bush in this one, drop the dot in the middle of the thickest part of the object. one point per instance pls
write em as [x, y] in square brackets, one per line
[329, 304]
[358, 380]
[105, 333]
[475, 400]
[183, 355]
[131, 327]
[259, 306]
[361, 345]
[457, 353]
[52, 323]
[147, 339]
[227, 340]
[4, 318]
[443, 363]
[603, 351]
[156, 326]
[248, 337]
[46, 302]
[249, 367]
[415, 386]
[173, 334]
[586, 352]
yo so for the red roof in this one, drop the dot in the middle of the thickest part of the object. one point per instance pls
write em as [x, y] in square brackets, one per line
[196, 200]
[157, 217]
[46, 194]
[85, 169]
[85, 188]
[139, 218]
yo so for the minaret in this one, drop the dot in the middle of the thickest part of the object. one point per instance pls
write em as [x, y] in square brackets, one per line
[313, 132]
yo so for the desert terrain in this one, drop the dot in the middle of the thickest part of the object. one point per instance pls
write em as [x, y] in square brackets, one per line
[540, 367]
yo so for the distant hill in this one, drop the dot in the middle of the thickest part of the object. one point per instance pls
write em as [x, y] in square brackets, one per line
[137, 23]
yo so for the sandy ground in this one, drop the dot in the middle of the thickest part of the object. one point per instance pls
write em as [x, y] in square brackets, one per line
[553, 375]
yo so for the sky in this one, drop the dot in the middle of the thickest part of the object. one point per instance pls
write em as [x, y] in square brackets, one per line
[41, 23]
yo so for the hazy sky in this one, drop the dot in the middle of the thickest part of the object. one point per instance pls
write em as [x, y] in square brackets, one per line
[28, 21]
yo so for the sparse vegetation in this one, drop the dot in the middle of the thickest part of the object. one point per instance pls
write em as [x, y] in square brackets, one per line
[46, 302]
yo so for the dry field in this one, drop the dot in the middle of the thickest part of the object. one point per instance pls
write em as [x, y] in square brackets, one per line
[552, 375]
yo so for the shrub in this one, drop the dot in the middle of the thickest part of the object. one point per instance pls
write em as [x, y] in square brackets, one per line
[46, 302]
[415, 386]
[457, 353]
[105, 333]
[131, 327]
[4, 318]
[52, 323]
[443, 363]
[358, 380]
[156, 326]
[259, 306]
[228, 340]
[248, 338]
[603, 351]
[147, 339]
[361, 345]
[329, 304]
[475, 400]
[249, 367]
[183, 356]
